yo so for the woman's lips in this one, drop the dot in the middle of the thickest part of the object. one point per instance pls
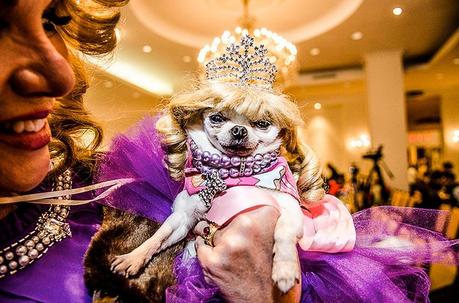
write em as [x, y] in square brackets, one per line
[39, 114]
[26, 134]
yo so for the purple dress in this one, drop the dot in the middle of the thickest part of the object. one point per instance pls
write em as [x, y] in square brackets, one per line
[58, 275]
[376, 270]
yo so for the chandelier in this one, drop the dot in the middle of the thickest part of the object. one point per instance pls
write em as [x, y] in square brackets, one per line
[281, 51]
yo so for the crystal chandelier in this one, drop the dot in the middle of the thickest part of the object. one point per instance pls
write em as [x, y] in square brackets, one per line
[281, 51]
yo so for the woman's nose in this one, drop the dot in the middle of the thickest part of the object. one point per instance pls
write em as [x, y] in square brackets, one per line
[48, 74]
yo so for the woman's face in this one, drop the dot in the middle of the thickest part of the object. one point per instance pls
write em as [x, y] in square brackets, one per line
[34, 70]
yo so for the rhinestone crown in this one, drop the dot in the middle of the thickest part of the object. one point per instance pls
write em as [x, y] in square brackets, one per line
[243, 64]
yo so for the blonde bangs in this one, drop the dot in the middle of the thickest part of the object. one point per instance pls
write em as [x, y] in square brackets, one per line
[258, 104]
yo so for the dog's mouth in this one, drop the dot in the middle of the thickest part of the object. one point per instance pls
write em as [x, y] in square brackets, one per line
[238, 149]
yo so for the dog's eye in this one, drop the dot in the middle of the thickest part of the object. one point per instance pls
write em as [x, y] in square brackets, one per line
[262, 124]
[217, 118]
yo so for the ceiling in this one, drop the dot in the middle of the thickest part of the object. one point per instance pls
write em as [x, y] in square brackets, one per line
[422, 28]
[195, 23]
[174, 29]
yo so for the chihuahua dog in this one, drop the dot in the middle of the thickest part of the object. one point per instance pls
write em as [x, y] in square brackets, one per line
[231, 134]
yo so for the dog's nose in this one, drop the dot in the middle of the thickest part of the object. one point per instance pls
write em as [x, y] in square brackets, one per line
[239, 132]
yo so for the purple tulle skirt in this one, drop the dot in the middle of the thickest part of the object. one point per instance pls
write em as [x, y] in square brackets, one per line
[388, 264]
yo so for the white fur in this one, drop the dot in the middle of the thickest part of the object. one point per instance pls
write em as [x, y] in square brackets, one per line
[188, 210]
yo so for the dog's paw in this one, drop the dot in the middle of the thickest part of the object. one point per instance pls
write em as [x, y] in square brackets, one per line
[129, 264]
[285, 274]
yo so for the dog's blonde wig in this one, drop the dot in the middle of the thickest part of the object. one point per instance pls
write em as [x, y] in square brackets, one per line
[188, 107]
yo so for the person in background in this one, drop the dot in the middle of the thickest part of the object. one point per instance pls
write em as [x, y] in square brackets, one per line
[412, 177]
[448, 167]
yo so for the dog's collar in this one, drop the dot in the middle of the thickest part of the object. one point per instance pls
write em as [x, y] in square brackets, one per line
[234, 166]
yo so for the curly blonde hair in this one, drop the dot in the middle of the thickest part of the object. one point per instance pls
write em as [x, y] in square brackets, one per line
[188, 107]
[91, 31]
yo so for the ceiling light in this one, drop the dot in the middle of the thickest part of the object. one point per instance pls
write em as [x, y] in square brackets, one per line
[456, 61]
[456, 136]
[356, 36]
[147, 49]
[361, 141]
[317, 106]
[314, 51]
[397, 11]
[186, 59]
[118, 35]
[108, 84]
[281, 51]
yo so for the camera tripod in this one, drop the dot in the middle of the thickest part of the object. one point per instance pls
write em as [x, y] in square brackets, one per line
[374, 187]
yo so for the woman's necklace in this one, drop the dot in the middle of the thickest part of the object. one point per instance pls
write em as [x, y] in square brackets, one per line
[51, 228]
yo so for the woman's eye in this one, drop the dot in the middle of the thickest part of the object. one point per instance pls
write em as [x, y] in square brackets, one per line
[48, 26]
[51, 20]
[216, 118]
[262, 124]
[4, 24]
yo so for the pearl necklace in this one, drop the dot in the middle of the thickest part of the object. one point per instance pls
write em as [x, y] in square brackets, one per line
[51, 228]
[234, 166]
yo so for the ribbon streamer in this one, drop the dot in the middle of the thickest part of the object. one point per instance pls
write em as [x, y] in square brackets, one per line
[51, 197]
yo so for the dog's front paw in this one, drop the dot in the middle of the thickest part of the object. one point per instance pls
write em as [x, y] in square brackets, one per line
[285, 274]
[128, 264]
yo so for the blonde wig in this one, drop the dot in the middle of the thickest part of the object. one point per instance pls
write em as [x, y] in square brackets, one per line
[188, 107]
[91, 31]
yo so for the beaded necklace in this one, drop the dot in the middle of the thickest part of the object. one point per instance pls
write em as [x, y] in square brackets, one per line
[50, 229]
[234, 166]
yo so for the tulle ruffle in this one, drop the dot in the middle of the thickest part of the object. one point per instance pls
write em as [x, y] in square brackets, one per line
[393, 244]
[138, 155]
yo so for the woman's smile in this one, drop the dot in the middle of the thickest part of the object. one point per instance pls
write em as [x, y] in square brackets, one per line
[27, 132]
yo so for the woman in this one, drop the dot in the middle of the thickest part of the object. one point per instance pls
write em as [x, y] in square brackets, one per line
[41, 115]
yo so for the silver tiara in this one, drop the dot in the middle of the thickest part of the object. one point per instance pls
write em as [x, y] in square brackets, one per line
[243, 64]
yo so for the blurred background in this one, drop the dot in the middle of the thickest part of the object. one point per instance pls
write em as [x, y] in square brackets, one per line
[377, 82]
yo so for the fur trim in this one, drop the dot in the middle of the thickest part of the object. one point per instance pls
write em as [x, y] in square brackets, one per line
[120, 233]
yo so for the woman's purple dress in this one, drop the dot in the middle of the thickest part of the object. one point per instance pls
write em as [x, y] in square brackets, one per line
[58, 275]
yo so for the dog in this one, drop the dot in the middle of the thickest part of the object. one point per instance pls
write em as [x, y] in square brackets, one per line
[232, 134]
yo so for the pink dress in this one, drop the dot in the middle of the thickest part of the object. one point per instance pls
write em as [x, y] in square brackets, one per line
[328, 226]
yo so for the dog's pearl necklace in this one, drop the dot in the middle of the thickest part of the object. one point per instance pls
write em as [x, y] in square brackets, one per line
[234, 166]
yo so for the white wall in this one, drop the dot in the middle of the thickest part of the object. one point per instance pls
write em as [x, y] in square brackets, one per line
[117, 105]
[329, 130]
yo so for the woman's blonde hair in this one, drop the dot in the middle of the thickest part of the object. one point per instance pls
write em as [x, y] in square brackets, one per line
[91, 31]
[187, 107]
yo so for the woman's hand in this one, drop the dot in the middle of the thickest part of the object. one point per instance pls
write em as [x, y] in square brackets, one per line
[240, 264]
